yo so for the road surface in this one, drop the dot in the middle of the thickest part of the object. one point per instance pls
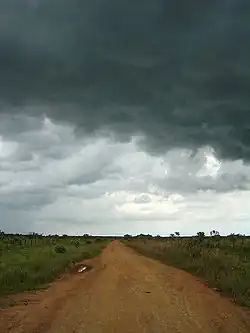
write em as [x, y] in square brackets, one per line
[125, 293]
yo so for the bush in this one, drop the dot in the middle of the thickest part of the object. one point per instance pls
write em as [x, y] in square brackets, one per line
[76, 243]
[60, 249]
[98, 240]
[127, 236]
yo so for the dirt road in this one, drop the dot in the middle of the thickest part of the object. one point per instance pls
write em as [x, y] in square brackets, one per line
[125, 292]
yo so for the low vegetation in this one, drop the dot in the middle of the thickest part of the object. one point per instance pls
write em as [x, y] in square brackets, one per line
[28, 262]
[222, 263]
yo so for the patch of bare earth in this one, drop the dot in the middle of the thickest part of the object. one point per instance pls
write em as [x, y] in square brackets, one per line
[124, 292]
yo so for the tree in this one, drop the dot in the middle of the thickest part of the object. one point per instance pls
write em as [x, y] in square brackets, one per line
[201, 234]
[214, 233]
[127, 236]
[177, 234]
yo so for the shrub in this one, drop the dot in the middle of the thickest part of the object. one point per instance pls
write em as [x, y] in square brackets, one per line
[76, 243]
[98, 240]
[60, 249]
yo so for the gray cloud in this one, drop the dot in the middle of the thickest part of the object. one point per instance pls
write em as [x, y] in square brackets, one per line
[177, 71]
[29, 200]
[76, 184]
[17, 220]
[202, 172]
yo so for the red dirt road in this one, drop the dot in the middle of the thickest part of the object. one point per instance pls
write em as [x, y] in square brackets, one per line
[126, 293]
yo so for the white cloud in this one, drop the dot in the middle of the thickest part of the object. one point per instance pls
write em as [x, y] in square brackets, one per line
[53, 181]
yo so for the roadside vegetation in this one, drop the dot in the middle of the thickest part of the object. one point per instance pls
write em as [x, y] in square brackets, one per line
[223, 263]
[29, 262]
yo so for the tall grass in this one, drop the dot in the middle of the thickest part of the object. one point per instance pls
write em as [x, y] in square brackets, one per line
[221, 262]
[27, 268]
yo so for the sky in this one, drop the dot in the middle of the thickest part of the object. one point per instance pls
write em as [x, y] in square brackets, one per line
[124, 117]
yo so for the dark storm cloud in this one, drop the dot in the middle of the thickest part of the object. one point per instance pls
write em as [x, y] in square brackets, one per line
[29, 200]
[177, 71]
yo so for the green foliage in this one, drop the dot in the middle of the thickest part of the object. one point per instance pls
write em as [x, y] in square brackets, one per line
[28, 262]
[221, 262]
[75, 242]
[201, 235]
[98, 240]
[60, 249]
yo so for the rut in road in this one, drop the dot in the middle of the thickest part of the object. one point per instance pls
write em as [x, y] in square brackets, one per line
[126, 292]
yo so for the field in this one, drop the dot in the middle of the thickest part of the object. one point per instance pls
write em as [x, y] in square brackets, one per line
[126, 291]
[223, 263]
[28, 262]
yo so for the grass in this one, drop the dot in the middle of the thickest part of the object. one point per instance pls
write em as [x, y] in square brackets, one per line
[26, 267]
[221, 262]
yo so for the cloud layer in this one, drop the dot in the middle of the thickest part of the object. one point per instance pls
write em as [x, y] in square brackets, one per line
[53, 181]
[176, 72]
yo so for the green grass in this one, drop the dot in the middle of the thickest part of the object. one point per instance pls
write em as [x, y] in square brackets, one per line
[24, 267]
[221, 262]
